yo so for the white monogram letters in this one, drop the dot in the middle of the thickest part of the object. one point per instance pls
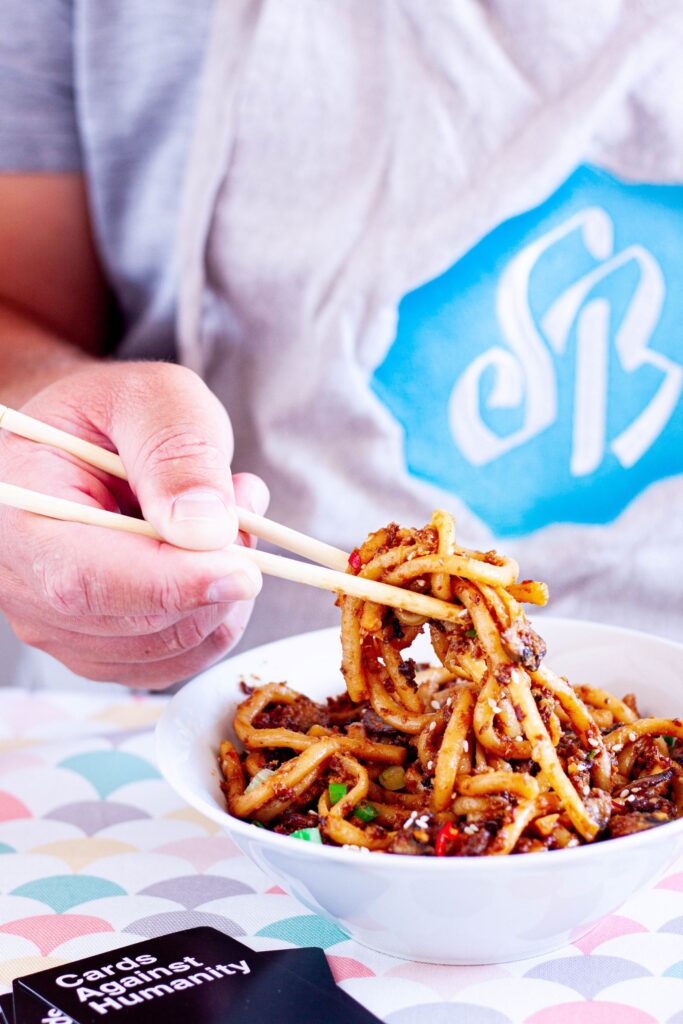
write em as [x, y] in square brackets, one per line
[525, 373]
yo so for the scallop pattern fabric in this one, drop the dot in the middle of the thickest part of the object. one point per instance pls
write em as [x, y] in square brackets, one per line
[97, 852]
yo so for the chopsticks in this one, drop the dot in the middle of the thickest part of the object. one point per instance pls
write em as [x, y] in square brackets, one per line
[325, 576]
[281, 536]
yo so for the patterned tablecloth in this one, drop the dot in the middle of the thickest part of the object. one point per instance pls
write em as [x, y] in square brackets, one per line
[96, 851]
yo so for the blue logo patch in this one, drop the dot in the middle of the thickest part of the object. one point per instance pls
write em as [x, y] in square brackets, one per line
[540, 377]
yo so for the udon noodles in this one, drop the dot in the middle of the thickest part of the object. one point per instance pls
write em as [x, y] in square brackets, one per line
[489, 752]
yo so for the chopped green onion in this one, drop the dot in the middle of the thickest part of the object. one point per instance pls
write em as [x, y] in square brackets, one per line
[337, 790]
[311, 835]
[591, 755]
[259, 779]
[259, 824]
[366, 812]
[471, 632]
[670, 740]
[393, 777]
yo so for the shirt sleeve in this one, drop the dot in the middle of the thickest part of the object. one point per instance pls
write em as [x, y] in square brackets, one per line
[38, 125]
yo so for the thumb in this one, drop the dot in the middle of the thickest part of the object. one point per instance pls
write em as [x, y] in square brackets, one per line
[176, 442]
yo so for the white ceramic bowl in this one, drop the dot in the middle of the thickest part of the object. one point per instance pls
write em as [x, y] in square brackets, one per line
[453, 911]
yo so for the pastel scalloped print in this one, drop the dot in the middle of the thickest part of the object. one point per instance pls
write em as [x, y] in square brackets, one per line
[96, 852]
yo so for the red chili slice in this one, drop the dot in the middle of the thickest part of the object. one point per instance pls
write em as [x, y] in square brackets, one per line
[355, 562]
[447, 833]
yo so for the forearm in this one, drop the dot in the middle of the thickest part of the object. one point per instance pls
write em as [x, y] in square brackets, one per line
[32, 356]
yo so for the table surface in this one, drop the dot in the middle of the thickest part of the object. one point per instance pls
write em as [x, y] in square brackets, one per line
[96, 852]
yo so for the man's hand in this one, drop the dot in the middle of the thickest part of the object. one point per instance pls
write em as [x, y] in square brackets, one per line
[113, 606]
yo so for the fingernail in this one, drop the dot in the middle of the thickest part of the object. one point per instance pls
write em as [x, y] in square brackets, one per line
[202, 505]
[240, 585]
[259, 496]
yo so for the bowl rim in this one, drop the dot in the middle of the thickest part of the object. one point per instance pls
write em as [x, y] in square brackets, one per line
[170, 771]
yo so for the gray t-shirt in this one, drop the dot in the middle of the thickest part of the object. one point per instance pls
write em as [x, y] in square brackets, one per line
[109, 88]
[450, 229]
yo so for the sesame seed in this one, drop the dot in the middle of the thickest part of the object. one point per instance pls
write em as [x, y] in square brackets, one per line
[496, 710]
[630, 799]
[632, 737]
[618, 747]
[592, 742]
[432, 726]
[491, 703]
[430, 765]
[465, 746]
[624, 793]
[435, 704]
[586, 790]
[573, 842]
[519, 739]
[449, 701]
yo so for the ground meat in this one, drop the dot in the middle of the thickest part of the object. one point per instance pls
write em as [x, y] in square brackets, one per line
[649, 758]
[579, 772]
[408, 668]
[545, 703]
[472, 845]
[341, 709]
[413, 779]
[298, 716]
[374, 724]
[405, 844]
[292, 821]
[627, 824]
[569, 747]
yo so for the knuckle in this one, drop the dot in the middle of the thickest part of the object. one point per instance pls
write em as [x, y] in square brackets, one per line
[62, 584]
[58, 584]
[168, 595]
[180, 443]
[183, 636]
[143, 625]
[140, 379]
[171, 374]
